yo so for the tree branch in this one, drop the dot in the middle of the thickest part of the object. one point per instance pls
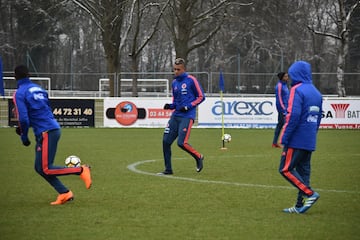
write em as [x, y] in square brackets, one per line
[154, 28]
[323, 33]
[91, 11]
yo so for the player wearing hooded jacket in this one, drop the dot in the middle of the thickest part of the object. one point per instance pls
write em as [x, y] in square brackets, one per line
[187, 95]
[33, 110]
[299, 135]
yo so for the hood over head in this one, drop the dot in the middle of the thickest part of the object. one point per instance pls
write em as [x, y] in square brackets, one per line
[300, 72]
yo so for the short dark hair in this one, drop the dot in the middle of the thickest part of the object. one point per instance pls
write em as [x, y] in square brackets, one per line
[179, 61]
[21, 72]
[281, 75]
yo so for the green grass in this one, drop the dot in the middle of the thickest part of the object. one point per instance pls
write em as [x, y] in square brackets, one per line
[213, 204]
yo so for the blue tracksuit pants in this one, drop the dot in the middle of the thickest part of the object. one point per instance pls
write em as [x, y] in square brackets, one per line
[178, 127]
[279, 125]
[295, 167]
[45, 151]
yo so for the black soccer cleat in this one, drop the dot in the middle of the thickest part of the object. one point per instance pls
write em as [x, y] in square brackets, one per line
[166, 172]
[199, 163]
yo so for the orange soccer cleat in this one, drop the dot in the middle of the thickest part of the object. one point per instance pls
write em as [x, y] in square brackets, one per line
[63, 198]
[86, 176]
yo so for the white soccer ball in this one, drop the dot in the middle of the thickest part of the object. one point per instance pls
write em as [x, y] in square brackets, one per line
[227, 137]
[72, 161]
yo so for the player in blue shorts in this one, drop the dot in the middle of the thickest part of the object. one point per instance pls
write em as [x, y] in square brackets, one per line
[187, 95]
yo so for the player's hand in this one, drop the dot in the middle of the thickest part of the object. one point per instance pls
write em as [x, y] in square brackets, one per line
[25, 140]
[18, 130]
[26, 143]
[167, 106]
[184, 109]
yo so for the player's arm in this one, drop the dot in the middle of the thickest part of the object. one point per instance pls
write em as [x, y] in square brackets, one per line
[23, 118]
[292, 118]
[198, 93]
[281, 98]
[319, 118]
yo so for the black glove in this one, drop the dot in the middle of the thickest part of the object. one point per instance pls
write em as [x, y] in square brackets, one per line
[18, 131]
[124, 110]
[167, 106]
[26, 142]
[184, 109]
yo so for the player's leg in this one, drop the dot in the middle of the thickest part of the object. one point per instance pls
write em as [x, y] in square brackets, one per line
[49, 146]
[169, 136]
[184, 132]
[49, 141]
[295, 167]
[303, 169]
[183, 142]
[45, 157]
[290, 159]
[279, 125]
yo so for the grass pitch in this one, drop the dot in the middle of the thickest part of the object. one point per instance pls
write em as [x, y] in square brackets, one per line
[238, 195]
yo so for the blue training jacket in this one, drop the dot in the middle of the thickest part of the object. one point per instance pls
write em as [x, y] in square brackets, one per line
[304, 109]
[282, 96]
[187, 92]
[33, 109]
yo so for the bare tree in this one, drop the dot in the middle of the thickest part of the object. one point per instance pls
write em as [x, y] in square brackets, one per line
[341, 17]
[109, 16]
[193, 23]
[139, 41]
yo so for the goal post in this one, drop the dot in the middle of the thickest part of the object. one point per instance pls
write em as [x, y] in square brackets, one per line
[10, 84]
[151, 86]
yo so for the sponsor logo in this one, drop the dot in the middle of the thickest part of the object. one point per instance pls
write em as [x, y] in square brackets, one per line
[312, 118]
[243, 108]
[340, 109]
[126, 113]
[38, 96]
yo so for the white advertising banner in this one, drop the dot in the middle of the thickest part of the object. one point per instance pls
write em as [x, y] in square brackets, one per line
[256, 112]
[136, 112]
[238, 113]
[341, 113]
[261, 113]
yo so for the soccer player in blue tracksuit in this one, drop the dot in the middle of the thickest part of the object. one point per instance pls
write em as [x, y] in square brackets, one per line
[187, 95]
[299, 135]
[282, 97]
[33, 110]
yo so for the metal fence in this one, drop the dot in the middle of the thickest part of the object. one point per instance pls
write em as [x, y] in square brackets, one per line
[89, 84]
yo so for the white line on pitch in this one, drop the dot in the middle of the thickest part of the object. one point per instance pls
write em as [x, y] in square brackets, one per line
[132, 167]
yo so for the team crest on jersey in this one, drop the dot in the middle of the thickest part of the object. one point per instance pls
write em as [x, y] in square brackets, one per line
[183, 88]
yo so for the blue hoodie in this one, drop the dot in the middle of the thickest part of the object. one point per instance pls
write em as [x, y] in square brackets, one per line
[33, 108]
[304, 109]
[187, 92]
